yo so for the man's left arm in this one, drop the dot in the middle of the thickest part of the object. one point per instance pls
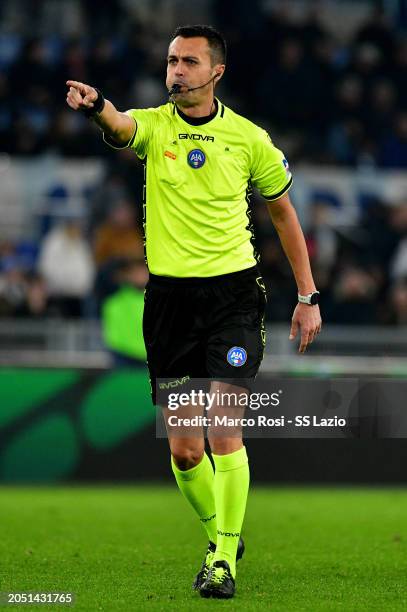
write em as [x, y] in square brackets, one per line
[307, 318]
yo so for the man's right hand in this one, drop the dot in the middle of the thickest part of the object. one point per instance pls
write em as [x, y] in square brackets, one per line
[80, 96]
[118, 126]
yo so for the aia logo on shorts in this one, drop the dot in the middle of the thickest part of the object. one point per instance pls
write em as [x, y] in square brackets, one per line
[196, 158]
[237, 356]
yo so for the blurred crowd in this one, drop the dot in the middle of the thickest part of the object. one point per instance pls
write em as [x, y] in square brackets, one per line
[361, 271]
[80, 263]
[328, 102]
[74, 267]
[324, 101]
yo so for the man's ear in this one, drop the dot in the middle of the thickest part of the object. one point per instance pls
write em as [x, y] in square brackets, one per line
[219, 70]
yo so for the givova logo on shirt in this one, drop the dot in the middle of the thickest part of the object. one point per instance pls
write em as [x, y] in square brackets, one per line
[196, 158]
[237, 356]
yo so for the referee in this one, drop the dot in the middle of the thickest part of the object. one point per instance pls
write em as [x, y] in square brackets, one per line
[205, 299]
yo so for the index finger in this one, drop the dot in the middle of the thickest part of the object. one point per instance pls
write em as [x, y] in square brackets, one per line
[81, 86]
[304, 342]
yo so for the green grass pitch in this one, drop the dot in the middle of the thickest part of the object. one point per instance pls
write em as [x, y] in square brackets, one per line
[138, 548]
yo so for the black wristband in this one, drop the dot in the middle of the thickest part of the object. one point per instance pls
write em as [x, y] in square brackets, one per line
[98, 105]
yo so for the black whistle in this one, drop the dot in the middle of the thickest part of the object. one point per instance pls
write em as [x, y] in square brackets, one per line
[176, 88]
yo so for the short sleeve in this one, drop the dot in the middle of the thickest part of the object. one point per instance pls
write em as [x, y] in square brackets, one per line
[143, 130]
[270, 171]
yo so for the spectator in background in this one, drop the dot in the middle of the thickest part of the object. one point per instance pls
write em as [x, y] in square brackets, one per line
[75, 59]
[66, 263]
[398, 262]
[398, 302]
[355, 294]
[122, 314]
[349, 97]
[67, 134]
[32, 82]
[22, 291]
[32, 71]
[119, 235]
[35, 304]
[116, 240]
[397, 70]
[105, 67]
[288, 92]
[393, 150]
[377, 31]
[108, 16]
[112, 189]
[367, 64]
[345, 140]
[322, 242]
[6, 113]
[312, 30]
[12, 288]
[230, 15]
[321, 56]
[378, 227]
[381, 110]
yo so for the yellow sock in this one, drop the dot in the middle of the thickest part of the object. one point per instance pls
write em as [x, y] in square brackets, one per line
[196, 485]
[231, 487]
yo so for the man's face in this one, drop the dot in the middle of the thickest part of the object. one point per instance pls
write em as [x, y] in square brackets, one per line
[189, 64]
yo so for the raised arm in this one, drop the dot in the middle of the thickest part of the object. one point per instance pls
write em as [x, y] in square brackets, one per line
[118, 126]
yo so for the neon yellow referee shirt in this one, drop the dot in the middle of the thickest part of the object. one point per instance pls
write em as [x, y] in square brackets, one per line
[197, 219]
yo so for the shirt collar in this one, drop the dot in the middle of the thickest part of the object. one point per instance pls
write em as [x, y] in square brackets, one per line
[199, 120]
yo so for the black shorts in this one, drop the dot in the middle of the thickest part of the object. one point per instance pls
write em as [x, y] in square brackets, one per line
[206, 328]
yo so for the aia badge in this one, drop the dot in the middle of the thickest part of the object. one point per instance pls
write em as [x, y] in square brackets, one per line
[287, 167]
[237, 356]
[196, 158]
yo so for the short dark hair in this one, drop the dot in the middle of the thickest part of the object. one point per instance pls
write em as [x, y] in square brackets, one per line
[216, 42]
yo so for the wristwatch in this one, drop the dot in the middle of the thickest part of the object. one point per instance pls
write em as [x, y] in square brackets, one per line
[311, 299]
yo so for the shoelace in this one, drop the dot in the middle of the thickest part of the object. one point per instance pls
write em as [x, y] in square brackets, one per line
[208, 561]
[218, 575]
[206, 564]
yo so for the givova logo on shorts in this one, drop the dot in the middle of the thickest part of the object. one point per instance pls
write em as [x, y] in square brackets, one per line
[237, 356]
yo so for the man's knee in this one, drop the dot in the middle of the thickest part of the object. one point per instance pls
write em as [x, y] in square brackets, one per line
[223, 445]
[187, 455]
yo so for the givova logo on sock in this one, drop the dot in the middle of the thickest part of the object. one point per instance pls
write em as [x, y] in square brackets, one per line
[228, 533]
[237, 356]
[210, 518]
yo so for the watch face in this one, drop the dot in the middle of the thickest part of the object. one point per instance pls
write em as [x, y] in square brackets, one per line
[314, 298]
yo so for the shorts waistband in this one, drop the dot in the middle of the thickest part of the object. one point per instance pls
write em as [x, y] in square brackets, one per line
[204, 280]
